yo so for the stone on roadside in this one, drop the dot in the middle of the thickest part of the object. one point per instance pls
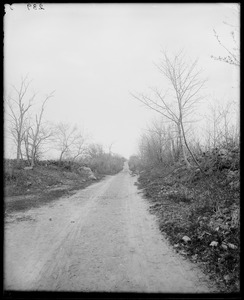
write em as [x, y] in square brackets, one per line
[232, 246]
[223, 152]
[28, 168]
[183, 252]
[213, 244]
[227, 278]
[85, 170]
[186, 239]
[194, 257]
[224, 246]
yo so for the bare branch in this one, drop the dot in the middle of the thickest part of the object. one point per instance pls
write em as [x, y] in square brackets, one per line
[185, 80]
[151, 106]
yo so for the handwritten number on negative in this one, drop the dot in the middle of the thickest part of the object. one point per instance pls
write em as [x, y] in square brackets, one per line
[34, 6]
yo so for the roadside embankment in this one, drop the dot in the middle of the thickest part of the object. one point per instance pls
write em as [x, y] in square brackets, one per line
[27, 188]
[200, 214]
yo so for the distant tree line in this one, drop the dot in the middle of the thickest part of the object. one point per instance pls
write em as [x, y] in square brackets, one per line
[33, 136]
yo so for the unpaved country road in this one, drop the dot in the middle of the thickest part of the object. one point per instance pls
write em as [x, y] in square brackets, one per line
[100, 239]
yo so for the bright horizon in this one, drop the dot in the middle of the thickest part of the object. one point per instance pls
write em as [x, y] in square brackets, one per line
[95, 55]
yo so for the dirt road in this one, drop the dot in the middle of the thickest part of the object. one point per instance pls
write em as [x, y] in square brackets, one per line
[100, 239]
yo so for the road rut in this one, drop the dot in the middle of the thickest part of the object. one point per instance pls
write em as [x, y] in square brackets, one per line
[100, 239]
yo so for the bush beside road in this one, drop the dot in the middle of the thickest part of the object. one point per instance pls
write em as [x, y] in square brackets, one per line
[200, 213]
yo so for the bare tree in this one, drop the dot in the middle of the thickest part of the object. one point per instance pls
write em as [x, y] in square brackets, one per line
[213, 121]
[110, 147]
[179, 101]
[19, 107]
[27, 144]
[69, 141]
[36, 131]
[230, 128]
[95, 150]
[157, 144]
[157, 137]
[34, 143]
[78, 148]
[221, 129]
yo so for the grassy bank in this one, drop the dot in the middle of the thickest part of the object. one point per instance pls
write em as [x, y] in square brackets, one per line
[200, 216]
[24, 189]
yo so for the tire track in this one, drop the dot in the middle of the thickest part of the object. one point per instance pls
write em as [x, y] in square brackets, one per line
[101, 239]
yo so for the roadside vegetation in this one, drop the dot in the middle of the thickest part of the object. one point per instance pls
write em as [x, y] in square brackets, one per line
[191, 174]
[26, 187]
[200, 214]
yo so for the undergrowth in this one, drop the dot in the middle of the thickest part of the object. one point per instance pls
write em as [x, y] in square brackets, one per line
[203, 208]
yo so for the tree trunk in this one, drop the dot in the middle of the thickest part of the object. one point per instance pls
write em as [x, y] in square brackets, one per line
[18, 152]
[21, 155]
[27, 150]
[172, 150]
[33, 154]
[60, 157]
[181, 146]
[190, 150]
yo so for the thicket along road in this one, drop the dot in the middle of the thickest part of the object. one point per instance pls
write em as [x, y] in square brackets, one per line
[100, 239]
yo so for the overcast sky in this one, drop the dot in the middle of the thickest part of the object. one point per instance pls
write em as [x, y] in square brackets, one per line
[94, 55]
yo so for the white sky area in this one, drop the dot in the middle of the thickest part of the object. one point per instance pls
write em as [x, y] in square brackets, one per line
[94, 55]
